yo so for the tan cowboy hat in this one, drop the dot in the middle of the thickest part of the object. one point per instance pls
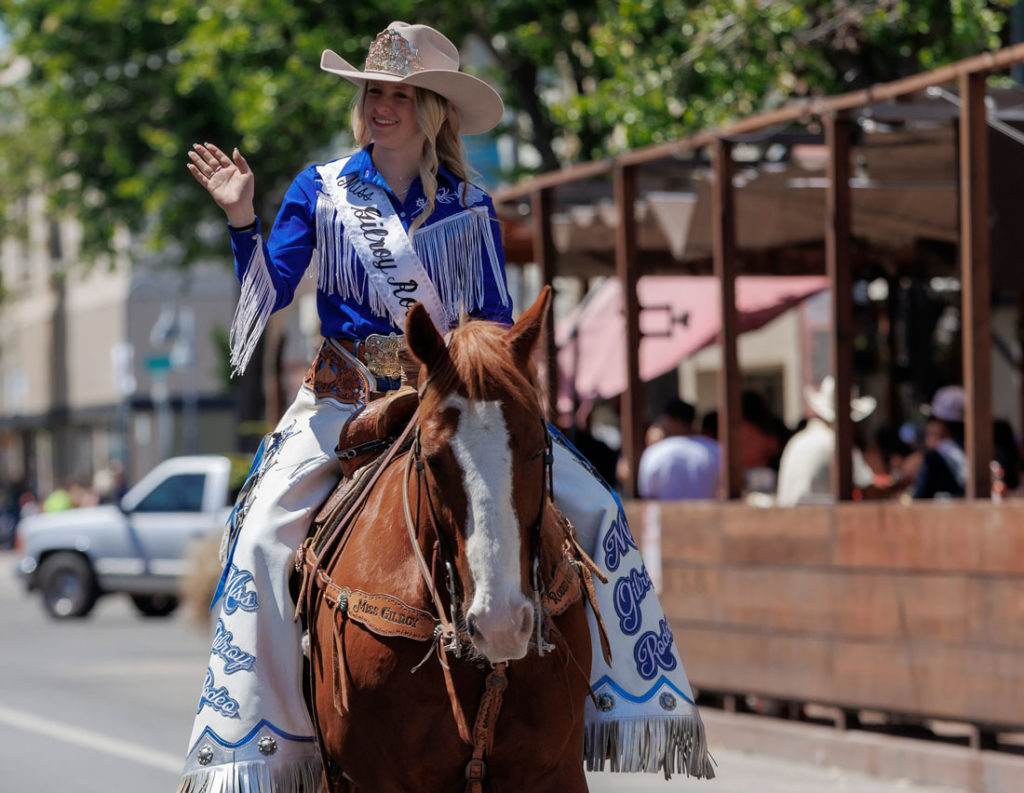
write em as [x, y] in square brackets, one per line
[822, 401]
[419, 55]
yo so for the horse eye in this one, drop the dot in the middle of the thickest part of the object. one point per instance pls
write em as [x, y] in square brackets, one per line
[435, 463]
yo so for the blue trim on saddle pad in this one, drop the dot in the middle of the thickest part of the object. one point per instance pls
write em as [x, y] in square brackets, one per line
[661, 681]
[209, 734]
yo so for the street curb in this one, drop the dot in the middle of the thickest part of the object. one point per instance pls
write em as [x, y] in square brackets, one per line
[885, 756]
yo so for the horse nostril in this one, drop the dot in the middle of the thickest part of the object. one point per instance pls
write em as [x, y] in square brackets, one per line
[526, 620]
[471, 628]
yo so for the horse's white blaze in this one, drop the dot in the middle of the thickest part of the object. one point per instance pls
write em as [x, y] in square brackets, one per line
[481, 446]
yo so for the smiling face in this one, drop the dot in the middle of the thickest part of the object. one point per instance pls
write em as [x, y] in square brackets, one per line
[389, 112]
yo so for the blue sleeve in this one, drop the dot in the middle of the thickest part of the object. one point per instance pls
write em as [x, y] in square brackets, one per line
[497, 305]
[289, 249]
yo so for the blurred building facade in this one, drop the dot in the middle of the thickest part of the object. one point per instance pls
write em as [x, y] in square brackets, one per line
[118, 359]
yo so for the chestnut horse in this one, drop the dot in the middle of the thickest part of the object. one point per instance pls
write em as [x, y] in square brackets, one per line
[425, 617]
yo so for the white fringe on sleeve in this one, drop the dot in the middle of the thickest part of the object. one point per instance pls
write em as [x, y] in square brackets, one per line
[255, 305]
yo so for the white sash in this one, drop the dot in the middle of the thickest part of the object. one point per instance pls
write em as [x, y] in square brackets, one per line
[383, 246]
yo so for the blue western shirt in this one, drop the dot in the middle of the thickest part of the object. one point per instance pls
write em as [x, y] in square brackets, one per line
[459, 245]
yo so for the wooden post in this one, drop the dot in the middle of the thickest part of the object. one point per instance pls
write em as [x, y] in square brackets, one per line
[1020, 341]
[838, 134]
[975, 284]
[723, 238]
[627, 269]
[545, 256]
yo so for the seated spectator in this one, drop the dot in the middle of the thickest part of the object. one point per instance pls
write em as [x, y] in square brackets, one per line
[762, 437]
[709, 425]
[805, 470]
[895, 459]
[943, 469]
[681, 465]
[676, 419]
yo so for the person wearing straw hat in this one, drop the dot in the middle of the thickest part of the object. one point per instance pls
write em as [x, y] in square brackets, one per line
[410, 176]
[805, 468]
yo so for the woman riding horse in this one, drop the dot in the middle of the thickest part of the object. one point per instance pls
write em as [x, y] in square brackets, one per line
[396, 223]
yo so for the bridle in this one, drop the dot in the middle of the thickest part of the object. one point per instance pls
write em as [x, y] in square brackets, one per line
[455, 640]
[448, 637]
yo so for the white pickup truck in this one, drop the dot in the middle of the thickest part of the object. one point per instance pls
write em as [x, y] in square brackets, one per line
[138, 546]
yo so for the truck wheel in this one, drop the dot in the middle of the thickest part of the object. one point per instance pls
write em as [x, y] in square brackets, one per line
[68, 585]
[155, 605]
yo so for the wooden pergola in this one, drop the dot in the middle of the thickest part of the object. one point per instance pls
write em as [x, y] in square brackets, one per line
[538, 197]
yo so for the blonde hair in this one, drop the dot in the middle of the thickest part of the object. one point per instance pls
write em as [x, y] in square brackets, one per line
[439, 122]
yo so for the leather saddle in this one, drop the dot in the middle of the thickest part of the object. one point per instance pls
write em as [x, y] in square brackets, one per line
[374, 427]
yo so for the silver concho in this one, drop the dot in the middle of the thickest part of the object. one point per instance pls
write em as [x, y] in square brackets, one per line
[267, 745]
[605, 703]
[381, 354]
[668, 702]
[205, 754]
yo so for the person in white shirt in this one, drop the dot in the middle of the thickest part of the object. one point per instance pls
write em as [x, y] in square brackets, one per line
[805, 468]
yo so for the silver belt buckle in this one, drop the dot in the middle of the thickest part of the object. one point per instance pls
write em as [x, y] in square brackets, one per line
[380, 354]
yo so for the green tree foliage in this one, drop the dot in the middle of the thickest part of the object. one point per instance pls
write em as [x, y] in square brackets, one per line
[117, 91]
[101, 99]
[666, 68]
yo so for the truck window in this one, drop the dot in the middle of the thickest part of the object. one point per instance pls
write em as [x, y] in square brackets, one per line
[178, 493]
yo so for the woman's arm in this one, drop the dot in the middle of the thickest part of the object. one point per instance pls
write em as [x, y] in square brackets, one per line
[497, 304]
[268, 271]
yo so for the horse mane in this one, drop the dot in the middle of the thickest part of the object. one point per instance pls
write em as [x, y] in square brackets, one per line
[480, 363]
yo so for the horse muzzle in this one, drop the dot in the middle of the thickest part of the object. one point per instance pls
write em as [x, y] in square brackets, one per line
[502, 633]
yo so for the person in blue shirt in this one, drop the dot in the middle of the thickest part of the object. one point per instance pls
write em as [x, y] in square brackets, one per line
[943, 470]
[397, 222]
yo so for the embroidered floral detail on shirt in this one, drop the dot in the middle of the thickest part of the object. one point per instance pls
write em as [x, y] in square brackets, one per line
[444, 196]
[470, 195]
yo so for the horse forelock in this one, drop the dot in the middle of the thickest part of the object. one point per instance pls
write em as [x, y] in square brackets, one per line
[480, 366]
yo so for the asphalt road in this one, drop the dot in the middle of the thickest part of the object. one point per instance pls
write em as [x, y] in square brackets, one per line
[106, 703]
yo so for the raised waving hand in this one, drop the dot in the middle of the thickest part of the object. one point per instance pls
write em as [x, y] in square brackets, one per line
[229, 180]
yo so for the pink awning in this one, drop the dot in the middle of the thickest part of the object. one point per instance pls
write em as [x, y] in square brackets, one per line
[591, 340]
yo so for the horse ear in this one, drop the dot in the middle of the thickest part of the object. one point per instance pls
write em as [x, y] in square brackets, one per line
[422, 338]
[523, 336]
